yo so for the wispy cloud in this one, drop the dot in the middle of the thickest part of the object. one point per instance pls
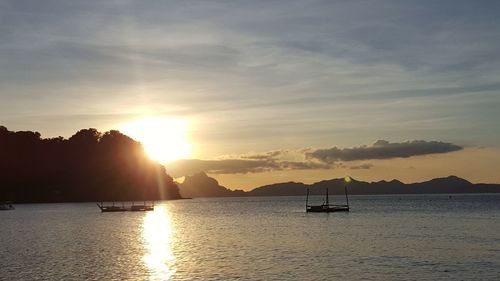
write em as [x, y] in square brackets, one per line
[237, 166]
[363, 166]
[303, 71]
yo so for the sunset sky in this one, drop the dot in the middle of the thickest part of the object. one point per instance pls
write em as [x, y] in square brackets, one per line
[257, 92]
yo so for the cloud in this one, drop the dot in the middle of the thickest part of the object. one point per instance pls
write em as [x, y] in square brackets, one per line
[247, 163]
[271, 155]
[364, 166]
[308, 159]
[268, 64]
[225, 166]
[382, 150]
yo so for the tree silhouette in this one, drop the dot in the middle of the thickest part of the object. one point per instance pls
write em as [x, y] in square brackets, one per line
[89, 166]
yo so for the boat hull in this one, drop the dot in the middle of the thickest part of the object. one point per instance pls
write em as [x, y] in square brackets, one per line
[111, 209]
[139, 208]
[6, 206]
[133, 208]
[327, 208]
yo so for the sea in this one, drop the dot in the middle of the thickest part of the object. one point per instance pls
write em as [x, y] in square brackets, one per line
[396, 237]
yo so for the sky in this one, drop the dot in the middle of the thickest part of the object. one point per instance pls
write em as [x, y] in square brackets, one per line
[269, 90]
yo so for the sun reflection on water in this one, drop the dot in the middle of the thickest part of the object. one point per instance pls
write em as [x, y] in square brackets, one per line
[157, 233]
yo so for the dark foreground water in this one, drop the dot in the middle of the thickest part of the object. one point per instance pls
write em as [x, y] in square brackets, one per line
[271, 238]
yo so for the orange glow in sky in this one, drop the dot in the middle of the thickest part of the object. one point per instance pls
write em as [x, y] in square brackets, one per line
[163, 138]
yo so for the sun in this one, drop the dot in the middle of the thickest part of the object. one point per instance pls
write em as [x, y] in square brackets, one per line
[163, 138]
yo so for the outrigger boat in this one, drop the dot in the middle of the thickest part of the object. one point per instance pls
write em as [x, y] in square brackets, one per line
[326, 207]
[7, 205]
[123, 208]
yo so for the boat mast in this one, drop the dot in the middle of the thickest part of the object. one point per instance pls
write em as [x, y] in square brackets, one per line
[307, 197]
[327, 202]
[346, 197]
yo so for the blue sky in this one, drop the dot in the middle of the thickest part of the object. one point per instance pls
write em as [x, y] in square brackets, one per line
[256, 76]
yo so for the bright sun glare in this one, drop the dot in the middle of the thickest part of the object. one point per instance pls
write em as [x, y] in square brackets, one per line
[163, 138]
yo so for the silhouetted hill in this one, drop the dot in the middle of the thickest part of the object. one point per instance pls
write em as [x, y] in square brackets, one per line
[451, 184]
[279, 189]
[89, 166]
[201, 185]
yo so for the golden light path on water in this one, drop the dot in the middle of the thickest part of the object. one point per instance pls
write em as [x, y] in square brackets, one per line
[157, 234]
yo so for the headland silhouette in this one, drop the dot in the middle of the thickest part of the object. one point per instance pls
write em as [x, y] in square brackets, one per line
[89, 166]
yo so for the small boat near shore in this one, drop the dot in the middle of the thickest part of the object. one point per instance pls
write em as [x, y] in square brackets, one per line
[7, 205]
[326, 207]
[123, 208]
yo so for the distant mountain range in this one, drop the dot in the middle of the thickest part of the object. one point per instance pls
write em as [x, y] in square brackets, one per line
[201, 185]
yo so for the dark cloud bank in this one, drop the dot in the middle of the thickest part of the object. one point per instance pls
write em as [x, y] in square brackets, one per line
[382, 150]
[313, 159]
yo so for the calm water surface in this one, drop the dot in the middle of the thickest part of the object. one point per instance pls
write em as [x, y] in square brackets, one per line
[268, 238]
